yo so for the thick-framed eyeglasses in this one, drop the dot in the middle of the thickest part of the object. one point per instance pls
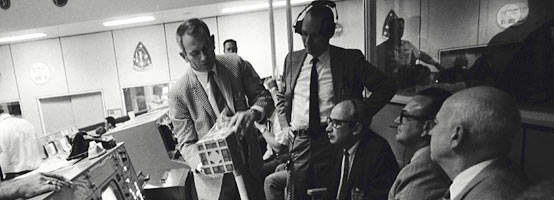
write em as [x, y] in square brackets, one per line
[404, 114]
[337, 123]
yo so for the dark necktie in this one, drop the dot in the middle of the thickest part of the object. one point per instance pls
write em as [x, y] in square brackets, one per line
[314, 118]
[216, 92]
[344, 176]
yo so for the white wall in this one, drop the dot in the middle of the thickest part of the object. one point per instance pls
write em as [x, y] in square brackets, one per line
[8, 84]
[125, 43]
[24, 56]
[90, 66]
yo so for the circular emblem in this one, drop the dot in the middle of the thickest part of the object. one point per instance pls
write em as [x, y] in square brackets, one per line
[513, 14]
[40, 73]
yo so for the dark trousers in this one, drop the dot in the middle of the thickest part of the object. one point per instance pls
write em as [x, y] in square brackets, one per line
[313, 159]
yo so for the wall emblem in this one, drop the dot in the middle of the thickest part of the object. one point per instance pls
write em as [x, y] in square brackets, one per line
[40, 73]
[141, 58]
[512, 15]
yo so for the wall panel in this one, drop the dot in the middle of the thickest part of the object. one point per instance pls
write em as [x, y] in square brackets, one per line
[90, 65]
[25, 55]
[8, 83]
[452, 24]
[126, 41]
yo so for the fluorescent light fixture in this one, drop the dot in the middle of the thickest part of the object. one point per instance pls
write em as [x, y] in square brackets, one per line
[22, 37]
[129, 21]
[260, 6]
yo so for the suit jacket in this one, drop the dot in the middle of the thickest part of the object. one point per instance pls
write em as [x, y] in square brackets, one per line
[193, 116]
[373, 170]
[420, 180]
[351, 73]
[501, 180]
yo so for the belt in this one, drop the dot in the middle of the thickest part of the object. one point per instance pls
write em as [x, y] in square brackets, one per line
[306, 131]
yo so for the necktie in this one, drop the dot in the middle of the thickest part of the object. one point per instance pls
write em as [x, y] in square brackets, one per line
[216, 92]
[344, 176]
[314, 118]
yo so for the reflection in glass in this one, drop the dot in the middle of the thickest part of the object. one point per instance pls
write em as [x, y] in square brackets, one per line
[147, 97]
[402, 60]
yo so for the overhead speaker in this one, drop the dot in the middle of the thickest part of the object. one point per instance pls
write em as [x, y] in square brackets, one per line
[60, 3]
[5, 4]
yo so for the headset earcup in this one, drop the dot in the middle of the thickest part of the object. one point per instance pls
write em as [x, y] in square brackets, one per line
[298, 27]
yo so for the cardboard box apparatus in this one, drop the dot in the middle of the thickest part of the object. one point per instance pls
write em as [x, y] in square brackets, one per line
[220, 151]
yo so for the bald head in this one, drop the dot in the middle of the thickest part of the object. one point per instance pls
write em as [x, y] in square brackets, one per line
[489, 115]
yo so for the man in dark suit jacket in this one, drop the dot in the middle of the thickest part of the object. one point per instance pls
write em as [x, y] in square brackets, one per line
[213, 85]
[341, 74]
[366, 168]
[471, 142]
[422, 178]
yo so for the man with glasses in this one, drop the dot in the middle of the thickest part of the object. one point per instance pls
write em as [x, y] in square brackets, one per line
[366, 166]
[422, 178]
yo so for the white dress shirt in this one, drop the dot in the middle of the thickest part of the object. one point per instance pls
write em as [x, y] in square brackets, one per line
[351, 155]
[301, 101]
[466, 176]
[203, 79]
[19, 146]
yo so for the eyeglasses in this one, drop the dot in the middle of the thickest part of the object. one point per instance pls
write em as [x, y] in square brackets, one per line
[404, 114]
[337, 123]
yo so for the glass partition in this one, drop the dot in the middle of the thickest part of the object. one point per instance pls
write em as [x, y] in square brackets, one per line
[146, 97]
[458, 44]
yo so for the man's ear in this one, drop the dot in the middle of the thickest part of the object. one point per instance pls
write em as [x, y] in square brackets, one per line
[457, 136]
[357, 129]
[427, 128]
[184, 56]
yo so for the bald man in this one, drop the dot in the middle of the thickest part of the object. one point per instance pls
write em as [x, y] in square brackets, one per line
[366, 167]
[471, 141]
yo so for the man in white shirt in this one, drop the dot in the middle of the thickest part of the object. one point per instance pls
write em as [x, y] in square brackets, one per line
[471, 141]
[19, 146]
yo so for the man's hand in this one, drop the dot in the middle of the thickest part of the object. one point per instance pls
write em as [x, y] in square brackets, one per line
[37, 184]
[244, 120]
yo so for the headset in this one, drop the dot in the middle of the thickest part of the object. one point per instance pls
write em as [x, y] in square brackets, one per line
[328, 29]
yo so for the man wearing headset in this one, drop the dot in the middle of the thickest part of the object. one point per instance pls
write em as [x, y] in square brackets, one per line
[338, 74]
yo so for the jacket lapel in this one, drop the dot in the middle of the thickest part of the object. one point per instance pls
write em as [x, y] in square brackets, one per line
[225, 85]
[297, 60]
[356, 164]
[337, 70]
[200, 94]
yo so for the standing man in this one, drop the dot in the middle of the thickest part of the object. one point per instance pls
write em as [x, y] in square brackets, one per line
[213, 85]
[19, 146]
[230, 46]
[321, 75]
[366, 167]
[471, 141]
[422, 178]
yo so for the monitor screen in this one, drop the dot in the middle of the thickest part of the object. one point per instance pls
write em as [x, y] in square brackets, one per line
[111, 191]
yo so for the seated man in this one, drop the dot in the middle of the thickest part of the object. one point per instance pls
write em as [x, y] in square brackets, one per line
[422, 178]
[366, 167]
[471, 141]
[19, 146]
